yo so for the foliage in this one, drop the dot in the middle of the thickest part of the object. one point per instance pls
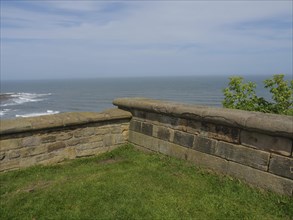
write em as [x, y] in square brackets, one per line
[129, 184]
[239, 95]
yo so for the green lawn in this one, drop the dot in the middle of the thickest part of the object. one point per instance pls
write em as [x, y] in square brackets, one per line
[129, 184]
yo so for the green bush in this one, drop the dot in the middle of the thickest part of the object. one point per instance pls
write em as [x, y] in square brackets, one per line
[240, 95]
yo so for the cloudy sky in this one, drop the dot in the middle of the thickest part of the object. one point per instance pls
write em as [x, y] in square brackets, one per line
[76, 39]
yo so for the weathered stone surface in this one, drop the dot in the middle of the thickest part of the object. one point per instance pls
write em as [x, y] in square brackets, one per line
[63, 136]
[73, 142]
[12, 126]
[116, 129]
[56, 146]
[144, 140]
[102, 130]
[13, 154]
[2, 155]
[193, 127]
[27, 162]
[220, 132]
[62, 120]
[46, 121]
[31, 151]
[207, 161]
[31, 141]
[183, 139]
[266, 123]
[89, 146]
[260, 178]
[278, 145]
[282, 166]
[173, 150]
[48, 139]
[45, 156]
[162, 133]
[90, 152]
[147, 129]
[108, 140]
[135, 125]
[84, 132]
[9, 144]
[274, 124]
[244, 155]
[47, 159]
[95, 138]
[205, 145]
[9, 165]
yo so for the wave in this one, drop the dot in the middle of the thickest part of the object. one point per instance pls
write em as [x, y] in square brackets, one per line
[48, 112]
[4, 111]
[10, 99]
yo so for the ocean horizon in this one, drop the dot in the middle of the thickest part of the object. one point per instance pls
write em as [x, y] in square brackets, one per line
[28, 98]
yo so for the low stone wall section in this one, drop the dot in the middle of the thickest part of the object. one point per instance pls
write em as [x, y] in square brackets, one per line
[51, 139]
[254, 147]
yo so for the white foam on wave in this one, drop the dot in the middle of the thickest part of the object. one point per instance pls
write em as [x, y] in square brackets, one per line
[4, 111]
[21, 98]
[48, 112]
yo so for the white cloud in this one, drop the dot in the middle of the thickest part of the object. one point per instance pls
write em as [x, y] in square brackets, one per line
[166, 35]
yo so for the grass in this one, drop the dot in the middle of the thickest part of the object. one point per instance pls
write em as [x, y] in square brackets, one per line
[129, 184]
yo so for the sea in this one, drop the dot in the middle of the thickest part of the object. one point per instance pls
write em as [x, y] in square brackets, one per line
[29, 98]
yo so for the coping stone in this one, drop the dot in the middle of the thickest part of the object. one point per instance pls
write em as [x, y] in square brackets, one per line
[277, 125]
[19, 125]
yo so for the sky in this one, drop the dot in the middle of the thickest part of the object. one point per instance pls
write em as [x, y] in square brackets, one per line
[88, 39]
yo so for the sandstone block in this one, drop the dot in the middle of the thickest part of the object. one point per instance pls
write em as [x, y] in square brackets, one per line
[102, 131]
[31, 151]
[44, 157]
[9, 144]
[9, 165]
[193, 127]
[244, 155]
[2, 155]
[116, 129]
[95, 138]
[89, 146]
[48, 139]
[147, 129]
[183, 139]
[260, 178]
[144, 141]
[163, 133]
[139, 114]
[172, 150]
[205, 145]
[207, 161]
[73, 142]
[282, 166]
[90, 152]
[280, 145]
[27, 162]
[135, 125]
[84, 132]
[15, 126]
[56, 146]
[108, 140]
[13, 154]
[31, 141]
[220, 132]
[64, 136]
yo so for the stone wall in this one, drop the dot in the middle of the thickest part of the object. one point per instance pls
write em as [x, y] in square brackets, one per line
[250, 146]
[51, 139]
